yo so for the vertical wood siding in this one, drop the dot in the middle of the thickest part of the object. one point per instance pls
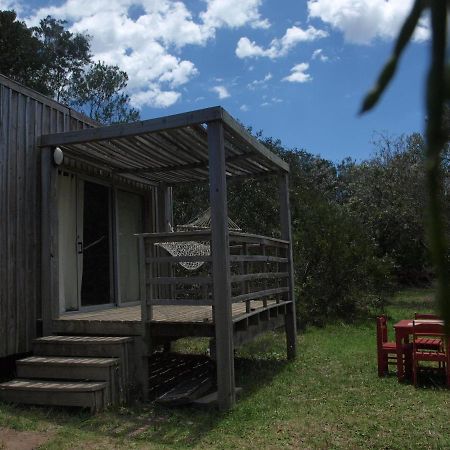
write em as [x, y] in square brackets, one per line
[24, 116]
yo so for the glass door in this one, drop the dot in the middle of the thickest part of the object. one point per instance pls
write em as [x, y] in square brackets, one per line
[84, 243]
[94, 244]
[129, 222]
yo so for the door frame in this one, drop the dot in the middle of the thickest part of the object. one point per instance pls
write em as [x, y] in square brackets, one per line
[81, 178]
[113, 238]
[114, 189]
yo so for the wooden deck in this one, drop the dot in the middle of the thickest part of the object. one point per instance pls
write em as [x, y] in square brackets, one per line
[166, 320]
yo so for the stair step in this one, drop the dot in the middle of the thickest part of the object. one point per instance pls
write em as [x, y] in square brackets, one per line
[75, 368]
[108, 346]
[89, 346]
[93, 395]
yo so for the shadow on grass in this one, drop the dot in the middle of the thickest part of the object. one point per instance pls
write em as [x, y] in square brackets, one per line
[174, 427]
[187, 426]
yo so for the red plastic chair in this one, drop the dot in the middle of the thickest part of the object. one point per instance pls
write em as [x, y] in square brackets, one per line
[423, 330]
[426, 342]
[387, 351]
[426, 316]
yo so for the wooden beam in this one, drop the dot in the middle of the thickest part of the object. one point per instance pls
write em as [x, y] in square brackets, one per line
[259, 294]
[49, 242]
[132, 129]
[180, 280]
[221, 267]
[177, 236]
[187, 166]
[239, 236]
[285, 221]
[178, 259]
[258, 276]
[180, 302]
[257, 258]
[231, 123]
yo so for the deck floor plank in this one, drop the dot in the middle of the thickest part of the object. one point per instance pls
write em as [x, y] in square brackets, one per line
[190, 314]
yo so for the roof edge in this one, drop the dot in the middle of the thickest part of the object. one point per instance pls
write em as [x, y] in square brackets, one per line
[122, 130]
[48, 101]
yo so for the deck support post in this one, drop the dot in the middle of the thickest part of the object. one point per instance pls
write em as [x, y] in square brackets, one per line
[285, 221]
[165, 221]
[144, 348]
[221, 267]
[164, 208]
[49, 242]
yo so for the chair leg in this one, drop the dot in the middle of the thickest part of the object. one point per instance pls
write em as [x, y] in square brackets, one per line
[447, 371]
[408, 364]
[415, 373]
[381, 364]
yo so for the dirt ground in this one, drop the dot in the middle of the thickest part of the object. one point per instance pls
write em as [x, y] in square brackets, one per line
[22, 440]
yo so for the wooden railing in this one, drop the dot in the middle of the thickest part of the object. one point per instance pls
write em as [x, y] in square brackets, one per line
[259, 271]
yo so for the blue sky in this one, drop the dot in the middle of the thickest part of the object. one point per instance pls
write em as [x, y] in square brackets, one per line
[297, 70]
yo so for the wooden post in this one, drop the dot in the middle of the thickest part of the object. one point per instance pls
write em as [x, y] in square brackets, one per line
[220, 252]
[49, 242]
[164, 222]
[285, 220]
[165, 207]
[144, 349]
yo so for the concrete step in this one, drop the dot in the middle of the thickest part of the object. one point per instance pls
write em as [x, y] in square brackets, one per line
[92, 395]
[75, 368]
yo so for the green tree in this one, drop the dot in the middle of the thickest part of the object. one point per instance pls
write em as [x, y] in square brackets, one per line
[98, 91]
[57, 63]
[65, 55]
[387, 193]
[339, 272]
[436, 133]
[21, 57]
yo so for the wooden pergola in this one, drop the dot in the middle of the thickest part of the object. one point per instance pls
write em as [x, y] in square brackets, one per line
[206, 145]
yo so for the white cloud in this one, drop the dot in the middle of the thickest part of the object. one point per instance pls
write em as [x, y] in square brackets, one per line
[244, 108]
[318, 54]
[221, 91]
[278, 47]
[144, 37]
[233, 14]
[362, 21]
[248, 49]
[10, 5]
[298, 74]
[255, 83]
[154, 97]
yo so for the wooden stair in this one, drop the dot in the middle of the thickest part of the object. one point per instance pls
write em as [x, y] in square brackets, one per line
[90, 395]
[84, 371]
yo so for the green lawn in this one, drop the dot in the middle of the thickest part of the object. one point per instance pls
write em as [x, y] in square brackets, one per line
[330, 397]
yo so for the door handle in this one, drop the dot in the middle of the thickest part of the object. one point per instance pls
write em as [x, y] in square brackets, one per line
[80, 247]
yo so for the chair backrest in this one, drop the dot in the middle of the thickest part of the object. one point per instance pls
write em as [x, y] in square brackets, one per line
[427, 329]
[382, 335]
[426, 316]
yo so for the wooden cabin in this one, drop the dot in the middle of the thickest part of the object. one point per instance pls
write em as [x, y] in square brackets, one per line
[86, 285]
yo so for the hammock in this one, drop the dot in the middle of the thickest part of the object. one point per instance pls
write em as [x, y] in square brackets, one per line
[194, 248]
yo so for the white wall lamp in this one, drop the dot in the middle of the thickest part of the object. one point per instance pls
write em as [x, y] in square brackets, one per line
[58, 156]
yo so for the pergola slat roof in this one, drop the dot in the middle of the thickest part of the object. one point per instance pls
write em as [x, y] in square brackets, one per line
[172, 149]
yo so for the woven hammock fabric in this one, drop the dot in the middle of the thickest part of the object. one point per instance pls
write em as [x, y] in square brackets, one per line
[193, 248]
[187, 248]
[203, 222]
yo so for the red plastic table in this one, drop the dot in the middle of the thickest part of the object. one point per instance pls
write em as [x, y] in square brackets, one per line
[403, 329]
